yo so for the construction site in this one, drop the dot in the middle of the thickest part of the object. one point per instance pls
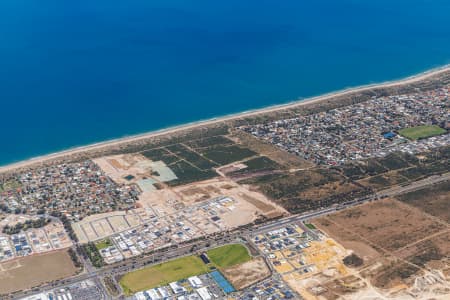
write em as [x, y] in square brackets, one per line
[165, 215]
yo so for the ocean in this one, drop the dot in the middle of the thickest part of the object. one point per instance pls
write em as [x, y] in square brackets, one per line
[79, 72]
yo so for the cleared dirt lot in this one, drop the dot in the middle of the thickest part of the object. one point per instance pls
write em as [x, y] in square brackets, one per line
[431, 253]
[27, 272]
[246, 200]
[434, 200]
[387, 224]
[248, 273]
[400, 244]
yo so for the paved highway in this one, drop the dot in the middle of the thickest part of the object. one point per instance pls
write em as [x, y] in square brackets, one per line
[227, 237]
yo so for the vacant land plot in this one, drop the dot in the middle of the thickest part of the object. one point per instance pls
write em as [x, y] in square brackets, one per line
[161, 154]
[432, 253]
[290, 185]
[394, 239]
[224, 155]
[135, 168]
[421, 132]
[27, 272]
[305, 190]
[257, 165]
[190, 156]
[395, 274]
[383, 181]
[248, 273]
[433, 200]
[188, 173]
[246, 205]
[229, 255]
[162, 274]
[208, 142]
[385, 224]
[393, 161]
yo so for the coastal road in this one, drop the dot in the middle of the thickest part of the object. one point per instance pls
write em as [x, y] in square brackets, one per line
[227, 237]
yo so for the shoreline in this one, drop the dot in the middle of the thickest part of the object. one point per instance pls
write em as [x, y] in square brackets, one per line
[186, 126]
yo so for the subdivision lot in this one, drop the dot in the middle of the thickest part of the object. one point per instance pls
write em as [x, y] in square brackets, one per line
[421, 132]
[434, 200]
[27, 272]
[248, 273]
[92, 227]
[135, 169]
[246, 206]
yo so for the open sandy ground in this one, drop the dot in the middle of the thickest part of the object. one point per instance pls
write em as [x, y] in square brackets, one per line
[405, 252]
[27, 272]
[248, 273]
[175, 129]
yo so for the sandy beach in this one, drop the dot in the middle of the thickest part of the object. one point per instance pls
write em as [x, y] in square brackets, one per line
[170, 130]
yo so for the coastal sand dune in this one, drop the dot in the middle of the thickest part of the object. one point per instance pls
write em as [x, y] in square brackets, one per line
[171, 130]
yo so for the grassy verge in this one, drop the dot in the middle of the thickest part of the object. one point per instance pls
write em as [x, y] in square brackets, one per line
[310, 226]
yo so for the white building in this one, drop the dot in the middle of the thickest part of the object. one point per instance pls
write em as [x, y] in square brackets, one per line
[195, 282]
[176, 288]
[204, 293]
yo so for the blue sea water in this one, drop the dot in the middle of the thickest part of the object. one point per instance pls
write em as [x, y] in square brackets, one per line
[78, 72]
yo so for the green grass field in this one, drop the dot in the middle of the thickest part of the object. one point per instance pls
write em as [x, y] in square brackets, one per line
[181, 268]
[10, 185]
[229, 255]
[420, 132]
[103, 244]
[162, 274]
[310, 226]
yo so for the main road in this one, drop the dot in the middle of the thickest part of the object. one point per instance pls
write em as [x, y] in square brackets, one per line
[227, 237]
